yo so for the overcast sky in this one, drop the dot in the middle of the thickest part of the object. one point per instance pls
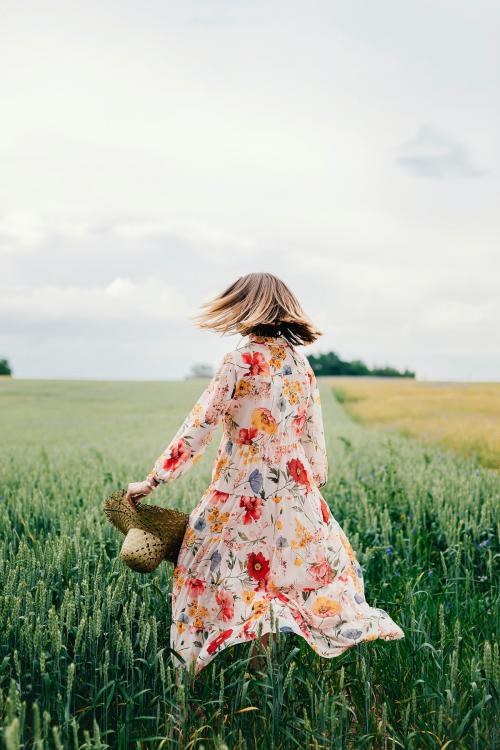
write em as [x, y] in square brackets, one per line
[151, 152]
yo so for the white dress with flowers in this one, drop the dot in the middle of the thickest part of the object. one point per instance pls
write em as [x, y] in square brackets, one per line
[262, 550]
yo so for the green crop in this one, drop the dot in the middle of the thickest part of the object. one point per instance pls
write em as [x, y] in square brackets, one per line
[84, 642]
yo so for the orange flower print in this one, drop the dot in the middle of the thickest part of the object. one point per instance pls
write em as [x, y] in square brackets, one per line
[263, 420]
[253, 507]
[248, 596]
[179, 452]
[256, 362]
[189, 537]
[278, 354]
[259, 607]
[220, 466]
[242, 389]
[324, 607]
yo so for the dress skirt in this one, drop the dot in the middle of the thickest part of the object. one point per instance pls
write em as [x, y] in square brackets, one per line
[249, 566]
[262, 550]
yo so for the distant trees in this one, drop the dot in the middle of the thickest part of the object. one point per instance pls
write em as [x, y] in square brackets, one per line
[331, 364]
[201, 371]
[5, 368]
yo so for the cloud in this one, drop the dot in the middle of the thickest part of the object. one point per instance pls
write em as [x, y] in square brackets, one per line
[436, 155]
[122, 299]
[455, 316]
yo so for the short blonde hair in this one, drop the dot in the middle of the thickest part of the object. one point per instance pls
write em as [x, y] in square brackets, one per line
[259, 304]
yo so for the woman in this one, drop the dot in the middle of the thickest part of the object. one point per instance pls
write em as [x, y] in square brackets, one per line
[262, 550]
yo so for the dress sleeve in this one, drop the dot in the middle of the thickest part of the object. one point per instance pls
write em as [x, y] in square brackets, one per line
[197, 430]
[313, 434]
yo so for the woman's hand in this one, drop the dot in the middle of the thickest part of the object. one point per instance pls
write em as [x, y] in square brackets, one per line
[136, 491]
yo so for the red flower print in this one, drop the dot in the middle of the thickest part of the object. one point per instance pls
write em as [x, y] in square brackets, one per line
[297, 471]
[196, 586]
[253, 508]
[322, 572]
[257, 362]
[325, 512]
[282, 598]
[225, 600]
[299, 422]
[248, 636]
[246, 436]
[216, 642]
[178, 454]
[257, 566]
[218, 497]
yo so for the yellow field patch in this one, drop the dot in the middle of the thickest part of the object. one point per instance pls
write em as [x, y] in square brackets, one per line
[462, 416]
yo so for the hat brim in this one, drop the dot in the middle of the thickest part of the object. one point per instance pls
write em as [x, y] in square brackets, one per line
[168, 524]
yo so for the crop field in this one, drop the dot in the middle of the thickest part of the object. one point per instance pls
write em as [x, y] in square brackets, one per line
[84, 649]
[464, 417]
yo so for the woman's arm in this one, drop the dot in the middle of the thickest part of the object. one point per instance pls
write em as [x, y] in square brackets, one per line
[197, 430]
[313, 435]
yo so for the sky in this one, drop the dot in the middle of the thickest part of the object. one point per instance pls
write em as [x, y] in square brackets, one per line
[152, 152]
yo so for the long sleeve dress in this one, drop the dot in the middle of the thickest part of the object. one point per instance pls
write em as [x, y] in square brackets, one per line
[262, 551]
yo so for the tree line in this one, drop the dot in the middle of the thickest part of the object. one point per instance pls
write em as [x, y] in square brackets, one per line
[5, 368]
[330, 363]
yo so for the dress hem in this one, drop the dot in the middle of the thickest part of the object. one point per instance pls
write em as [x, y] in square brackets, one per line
[384, 634]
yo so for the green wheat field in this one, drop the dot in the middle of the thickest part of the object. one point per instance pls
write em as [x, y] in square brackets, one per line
[84, 642]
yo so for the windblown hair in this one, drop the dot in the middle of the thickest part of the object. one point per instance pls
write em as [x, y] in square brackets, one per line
[258, 304]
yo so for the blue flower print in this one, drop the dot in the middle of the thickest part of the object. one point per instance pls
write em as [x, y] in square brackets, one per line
[255, 480]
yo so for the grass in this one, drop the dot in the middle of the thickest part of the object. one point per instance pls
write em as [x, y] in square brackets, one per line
[84, 657]
[464, 417]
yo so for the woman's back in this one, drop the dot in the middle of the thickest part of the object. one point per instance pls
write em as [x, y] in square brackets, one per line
[262, 551]
[273, 433]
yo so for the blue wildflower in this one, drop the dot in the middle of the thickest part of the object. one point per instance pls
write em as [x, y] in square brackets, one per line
[286, 629]
[255, 479]
[281, 542]
[199, 524]
[359, 599]
[353, 635]
[229, 447]
[215, 559]
[287, 370]
[389, 550]
[484, 543]
[430, 572]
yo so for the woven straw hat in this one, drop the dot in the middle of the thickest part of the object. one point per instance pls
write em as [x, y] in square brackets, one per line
[152, 534]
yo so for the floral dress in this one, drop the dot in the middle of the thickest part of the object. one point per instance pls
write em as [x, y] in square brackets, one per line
[262, 550]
